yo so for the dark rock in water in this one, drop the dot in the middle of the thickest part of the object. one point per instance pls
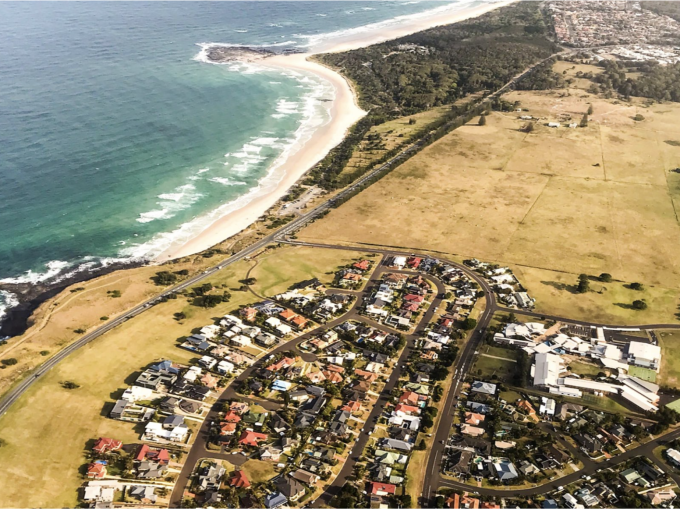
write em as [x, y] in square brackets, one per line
[221, 54]
[32, 295]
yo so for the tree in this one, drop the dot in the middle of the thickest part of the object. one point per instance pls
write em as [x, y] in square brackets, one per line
[9, 362]
[482, 120]
[583, 283]
[606, 277]
[640, 304]
[411, 122]
[468, 323]
[638, 118]
[590, 109]
[528, 127]
[637, 286]
[584, 120]
[164, 278]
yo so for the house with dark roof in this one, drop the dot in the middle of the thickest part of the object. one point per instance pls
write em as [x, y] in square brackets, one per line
[275, 500]
[291, 488]
[459, 462]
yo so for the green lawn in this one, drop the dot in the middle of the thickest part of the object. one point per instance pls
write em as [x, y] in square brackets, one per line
[259, 470]
[500, 352]
[669, 340]
[278, 269]
[581, 368]
[485, 368]
[646, 374]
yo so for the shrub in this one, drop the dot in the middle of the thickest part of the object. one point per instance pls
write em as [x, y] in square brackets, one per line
[640, 304]
[8, 362]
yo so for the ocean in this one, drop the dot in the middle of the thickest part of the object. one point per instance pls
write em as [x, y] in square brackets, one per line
[118, 140]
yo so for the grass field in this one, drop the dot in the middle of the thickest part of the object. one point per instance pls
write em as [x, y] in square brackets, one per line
[585, 368]
[643, 373]
[562, 201]
[669, 375]
[46, 431]
[259, 470]
[486, 368]
[278, 269]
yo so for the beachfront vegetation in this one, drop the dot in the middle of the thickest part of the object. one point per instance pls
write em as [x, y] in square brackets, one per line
[428, 69]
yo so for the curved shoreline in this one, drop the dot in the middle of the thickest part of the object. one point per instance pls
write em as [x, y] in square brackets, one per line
[344, 112]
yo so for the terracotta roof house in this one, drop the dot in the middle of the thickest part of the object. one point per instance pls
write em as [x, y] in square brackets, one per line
[489, 505]
[354, 277]
[232, 417]
[210, 381]
[106, 444]
[282, 363]
[288, 315]
[464, 501]
[407, 409]
[413, 262]
[362, 265]
[145, 452]
[409, 397]
[352, 406]
[299, 322]
[248, 314]
[410, 307]
[96, 469]
[382, 489]
[333, 377]
[471, 431]
[474, 418]
[316, 377]
[335, 368]
[250, 438]
[413, 298]
[228, 429]
[365, 375]
[239, 480]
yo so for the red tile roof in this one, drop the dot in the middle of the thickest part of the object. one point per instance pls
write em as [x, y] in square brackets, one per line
[362, 264]
[96, 470]
[251, 438]
[352, 406]
[410, 397]
[239, 480]
[232, 417]
[288, 315]
[414, 262]
[383, 487]
[404, 408]
[106, 444]
[160, 455]
[415, 298]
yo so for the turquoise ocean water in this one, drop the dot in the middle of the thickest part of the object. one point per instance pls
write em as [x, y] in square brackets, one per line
[116, 140]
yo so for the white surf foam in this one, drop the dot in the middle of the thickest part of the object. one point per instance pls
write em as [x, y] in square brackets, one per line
[7, 301]
[314, 114]
[52, 269]
[315, 39]
[170, 204]
[225, 181]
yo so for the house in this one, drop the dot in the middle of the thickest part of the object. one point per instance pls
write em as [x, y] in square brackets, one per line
[464, 501]
[172, 421]
[96, 469]
[227, 430]
[485, 388]
[459, 462]
[409, 397]
[396, 444]
[478, 407]
[148, 470]
[589, 443]
[250, 438]
[305, 476]
[143, 493]
[660, 496]
[470, 430]
[413, 262]
[362, 265]
[389, 458]
[316, 377]
[527, 468]
[352, 406]
[119, 409]
[630, 475]
[239, 408]
[299, 322]
[403, 409]
[155, 431]
[332, 377]
[275, 500]
[474, 418]
[272, 453]
[210, 475]
[291, 488]
[504, 470]
[383, 489]
[146, 453]
[106, 445]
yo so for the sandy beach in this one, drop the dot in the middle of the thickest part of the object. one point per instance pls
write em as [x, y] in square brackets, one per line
[344, 112]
